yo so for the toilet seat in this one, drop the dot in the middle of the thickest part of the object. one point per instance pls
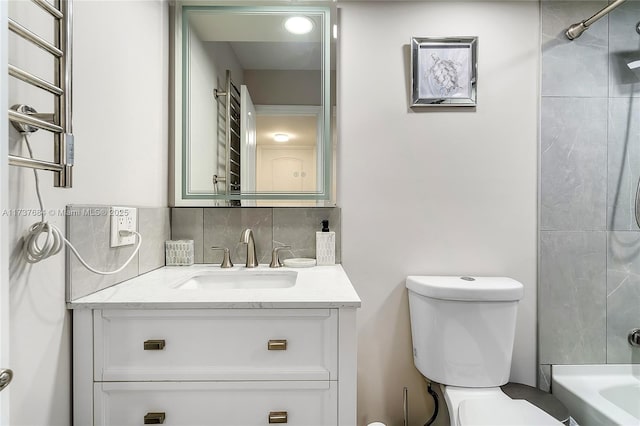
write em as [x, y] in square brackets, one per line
[502, 412]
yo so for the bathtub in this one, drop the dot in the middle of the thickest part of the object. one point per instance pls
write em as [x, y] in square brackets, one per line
[598, 395]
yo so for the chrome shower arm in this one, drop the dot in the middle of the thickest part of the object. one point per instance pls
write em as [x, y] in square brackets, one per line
[576, 30]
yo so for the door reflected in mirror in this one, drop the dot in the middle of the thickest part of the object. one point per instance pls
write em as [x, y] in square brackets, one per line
[255, 101]
[287, 148]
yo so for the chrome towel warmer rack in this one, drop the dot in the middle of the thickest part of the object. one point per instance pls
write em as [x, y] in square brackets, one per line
[232, 137]
[25, 118]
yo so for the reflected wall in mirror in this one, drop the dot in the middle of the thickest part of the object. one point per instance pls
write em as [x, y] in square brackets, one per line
[253, 106]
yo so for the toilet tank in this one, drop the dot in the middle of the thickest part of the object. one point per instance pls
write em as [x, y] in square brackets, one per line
[463, 328]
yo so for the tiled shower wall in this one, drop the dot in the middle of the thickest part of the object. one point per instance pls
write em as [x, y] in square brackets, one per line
[221, 227]
[589, 243]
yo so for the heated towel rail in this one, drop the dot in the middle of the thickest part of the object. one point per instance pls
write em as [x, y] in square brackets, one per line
[232, 137]
[25, 118]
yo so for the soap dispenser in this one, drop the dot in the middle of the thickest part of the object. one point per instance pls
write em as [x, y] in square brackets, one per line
[325, 245]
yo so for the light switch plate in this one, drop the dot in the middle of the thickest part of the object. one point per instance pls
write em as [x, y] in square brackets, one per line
[123, 219]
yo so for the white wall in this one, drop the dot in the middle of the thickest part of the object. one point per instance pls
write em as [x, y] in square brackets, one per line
[284, 87]
[433, 191]
[120, 125]
[208, 62]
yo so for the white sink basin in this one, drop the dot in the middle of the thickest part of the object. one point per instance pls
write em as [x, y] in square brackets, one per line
[239, 280]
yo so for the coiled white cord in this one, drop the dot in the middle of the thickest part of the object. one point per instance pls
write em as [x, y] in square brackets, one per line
[34, 251]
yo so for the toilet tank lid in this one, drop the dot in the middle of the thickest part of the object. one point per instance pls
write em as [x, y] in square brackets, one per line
[466, 288]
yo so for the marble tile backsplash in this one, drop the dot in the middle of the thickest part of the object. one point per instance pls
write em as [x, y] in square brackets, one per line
[221, 227]
[187, 224]
[89, 227]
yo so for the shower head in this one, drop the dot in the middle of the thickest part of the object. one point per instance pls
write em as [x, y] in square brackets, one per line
[634, 65]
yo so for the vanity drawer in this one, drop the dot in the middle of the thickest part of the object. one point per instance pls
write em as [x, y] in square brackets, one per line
[216, 403]
[215, 344]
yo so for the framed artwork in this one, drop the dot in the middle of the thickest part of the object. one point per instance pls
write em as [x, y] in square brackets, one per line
[444, 71]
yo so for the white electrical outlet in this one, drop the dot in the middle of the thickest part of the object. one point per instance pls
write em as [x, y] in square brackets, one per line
[123, 219]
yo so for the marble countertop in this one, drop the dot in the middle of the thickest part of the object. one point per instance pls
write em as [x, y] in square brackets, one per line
[315, 287]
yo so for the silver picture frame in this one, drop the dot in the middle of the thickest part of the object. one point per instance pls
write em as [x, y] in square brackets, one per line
[444, 71]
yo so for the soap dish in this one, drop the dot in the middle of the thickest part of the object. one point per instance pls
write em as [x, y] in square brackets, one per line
[299, 262]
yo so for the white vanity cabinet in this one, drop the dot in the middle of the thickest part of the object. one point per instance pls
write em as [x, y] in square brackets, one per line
[227, 367]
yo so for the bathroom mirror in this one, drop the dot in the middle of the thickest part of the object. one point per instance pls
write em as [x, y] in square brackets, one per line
[253, 106]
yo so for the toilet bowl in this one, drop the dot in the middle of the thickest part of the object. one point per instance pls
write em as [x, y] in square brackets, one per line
[462, 330]
[491, 407]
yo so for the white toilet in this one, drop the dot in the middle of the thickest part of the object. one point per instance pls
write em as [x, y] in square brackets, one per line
[463, 330]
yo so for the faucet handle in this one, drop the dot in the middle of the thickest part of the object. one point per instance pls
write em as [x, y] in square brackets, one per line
[226, 260]
[275, 260]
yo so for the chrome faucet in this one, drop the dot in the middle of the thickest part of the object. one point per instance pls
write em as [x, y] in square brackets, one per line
[275, 259]
[247, 238]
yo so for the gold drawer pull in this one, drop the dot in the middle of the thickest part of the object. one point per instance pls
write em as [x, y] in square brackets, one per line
[154, 418]
[277, 345]
[278, 417]
[154, 345]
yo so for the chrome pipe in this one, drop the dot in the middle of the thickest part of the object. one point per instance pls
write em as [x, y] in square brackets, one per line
[15, 160]
[34, 38]
[27, 118]
[605, 10]
[48, 117]
[48, 7]
[405, 406]
[33, 80]
[66, 65]
[32, 121]
[576, 30]
[228, 139]
[64, 143]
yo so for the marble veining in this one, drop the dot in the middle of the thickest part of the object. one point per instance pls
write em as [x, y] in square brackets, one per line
[623, 162]
[155, 226]
[272, 227]
[316, 287]
[623, 294]
[544, 377]
[572, 292]
[589, 280]
[89, 229]
[223, 226]
[297, 227]
[573, 164]
[188, 224]
[578, 67]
